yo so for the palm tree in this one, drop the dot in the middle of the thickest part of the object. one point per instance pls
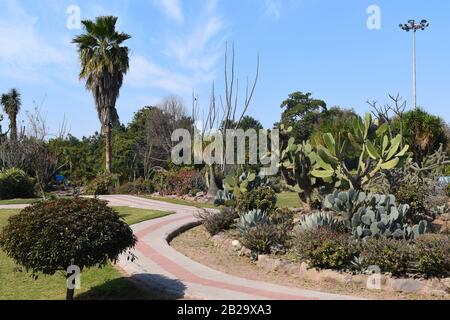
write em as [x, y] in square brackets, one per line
[104, 62]
[11, 103]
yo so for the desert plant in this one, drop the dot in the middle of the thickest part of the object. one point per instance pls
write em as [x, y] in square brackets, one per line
[251, 219]
[261, 198]
[51, 236]
[375, 154]
[390, 255]
[246, 182]
[260, 238]
[318, 220]
[14, 183]
[325, 248]
[225, 198]
[216, 222]
[11, 103]
[345, 203]
[432, 255]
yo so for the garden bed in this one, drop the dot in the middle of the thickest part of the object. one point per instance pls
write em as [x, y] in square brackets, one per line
[224, 254]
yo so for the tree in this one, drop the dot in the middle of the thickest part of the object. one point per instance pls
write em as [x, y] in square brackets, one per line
[300, 111]
[104, 62]
[11, 103]
[51, 236]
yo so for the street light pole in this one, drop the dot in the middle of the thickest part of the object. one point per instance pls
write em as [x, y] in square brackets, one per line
[413, 26]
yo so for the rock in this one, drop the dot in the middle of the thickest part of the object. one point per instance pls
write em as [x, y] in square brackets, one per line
[236, 244]
[407, 285]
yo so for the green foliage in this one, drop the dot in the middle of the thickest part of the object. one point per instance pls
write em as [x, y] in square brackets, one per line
[260, 238]
[185, 181]
[414, 196]
[51, 236]
[225, 198]
[246, 182]
[424, 133]
[139, 186]
[216, 222]
[262, 198]
[375, 154]
[319, 220]
[432, 255]
[14, 183]
[251, 219]
[389, 255]
[383, 218]
[447, 190]
[103, 185]
[325, 248]
[345, 203]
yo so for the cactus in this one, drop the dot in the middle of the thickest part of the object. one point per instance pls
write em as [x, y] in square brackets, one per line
[346, 203]
[383, 218]
[244, 183]
[223, 197]
[320, 219]
[251, 220]
[375, 155]
[297, 162]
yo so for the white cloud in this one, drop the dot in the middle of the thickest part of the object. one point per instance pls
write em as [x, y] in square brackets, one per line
[273, 8]
[172, 9]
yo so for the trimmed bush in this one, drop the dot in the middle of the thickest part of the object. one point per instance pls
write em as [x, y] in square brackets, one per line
[216, 222]
[432, 255]
[50, 236]
[140, 186]
[262, 198]
[14, 183]
[325, 248]
[261, 238]
[390, 255]
[413, 196]
[103, 185]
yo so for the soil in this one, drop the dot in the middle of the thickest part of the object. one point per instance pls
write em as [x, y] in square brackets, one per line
[196, 245]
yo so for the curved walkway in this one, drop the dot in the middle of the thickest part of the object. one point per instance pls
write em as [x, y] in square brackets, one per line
[160, 267]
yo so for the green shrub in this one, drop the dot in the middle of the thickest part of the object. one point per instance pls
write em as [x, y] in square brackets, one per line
[262, 198]
[413, 196]
[261, 238]
[447, 190]
[50, 236]
[325, 248]
[103, 185]
[432, 255]
[216, 222]
[390, 255]
[14, 183]
[183, 182]
[139, 186]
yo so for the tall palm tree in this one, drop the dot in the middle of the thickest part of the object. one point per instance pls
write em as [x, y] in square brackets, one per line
[104, 62]
[11, 103]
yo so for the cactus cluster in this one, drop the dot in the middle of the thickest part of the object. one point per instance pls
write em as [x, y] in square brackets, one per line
[375, 154]
[251, 220]
[223, 197]
[383, 218]
[244, 183]
[346, 203]
[317, 220]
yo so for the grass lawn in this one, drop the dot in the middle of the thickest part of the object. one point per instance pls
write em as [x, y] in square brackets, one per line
[106, 283]
[288, 200]
[18, 201]
[181, 202]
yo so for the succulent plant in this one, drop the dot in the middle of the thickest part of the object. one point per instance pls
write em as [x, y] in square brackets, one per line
[251, 220]
[375, 154]
[383, 218]
[320, 219]
[244, 183]
[345, 203]
[223, 197]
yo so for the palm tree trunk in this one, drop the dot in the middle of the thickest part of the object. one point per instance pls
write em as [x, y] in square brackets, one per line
[13, 126]
[108, 148]
[212, 190]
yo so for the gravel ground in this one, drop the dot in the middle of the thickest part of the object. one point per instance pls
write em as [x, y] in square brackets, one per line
[196, 245]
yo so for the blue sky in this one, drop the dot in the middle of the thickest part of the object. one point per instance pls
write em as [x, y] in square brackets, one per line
[323, 47]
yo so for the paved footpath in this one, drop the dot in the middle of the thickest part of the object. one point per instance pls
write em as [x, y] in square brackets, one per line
[161, 268]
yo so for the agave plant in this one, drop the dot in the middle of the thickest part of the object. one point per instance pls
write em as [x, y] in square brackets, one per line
[223, 197]
[251, 220]
[318, 220]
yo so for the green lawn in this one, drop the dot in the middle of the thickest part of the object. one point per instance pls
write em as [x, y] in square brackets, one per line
[18, 201]
[106, 283]
[181, 202]
[288, 200]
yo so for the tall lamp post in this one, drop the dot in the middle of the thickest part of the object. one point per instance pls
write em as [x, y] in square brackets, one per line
[412, 25]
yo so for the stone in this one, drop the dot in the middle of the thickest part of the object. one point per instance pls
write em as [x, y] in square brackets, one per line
[237, 244]
[407, 285]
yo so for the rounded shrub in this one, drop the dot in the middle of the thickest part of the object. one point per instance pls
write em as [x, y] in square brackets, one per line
[432, 255]
[139, 186]
[325, 248]
[262, 198]
[15, 183]
[216, 222]
[51, 236]
[103, 185]
[413, 196]
[261, 238]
